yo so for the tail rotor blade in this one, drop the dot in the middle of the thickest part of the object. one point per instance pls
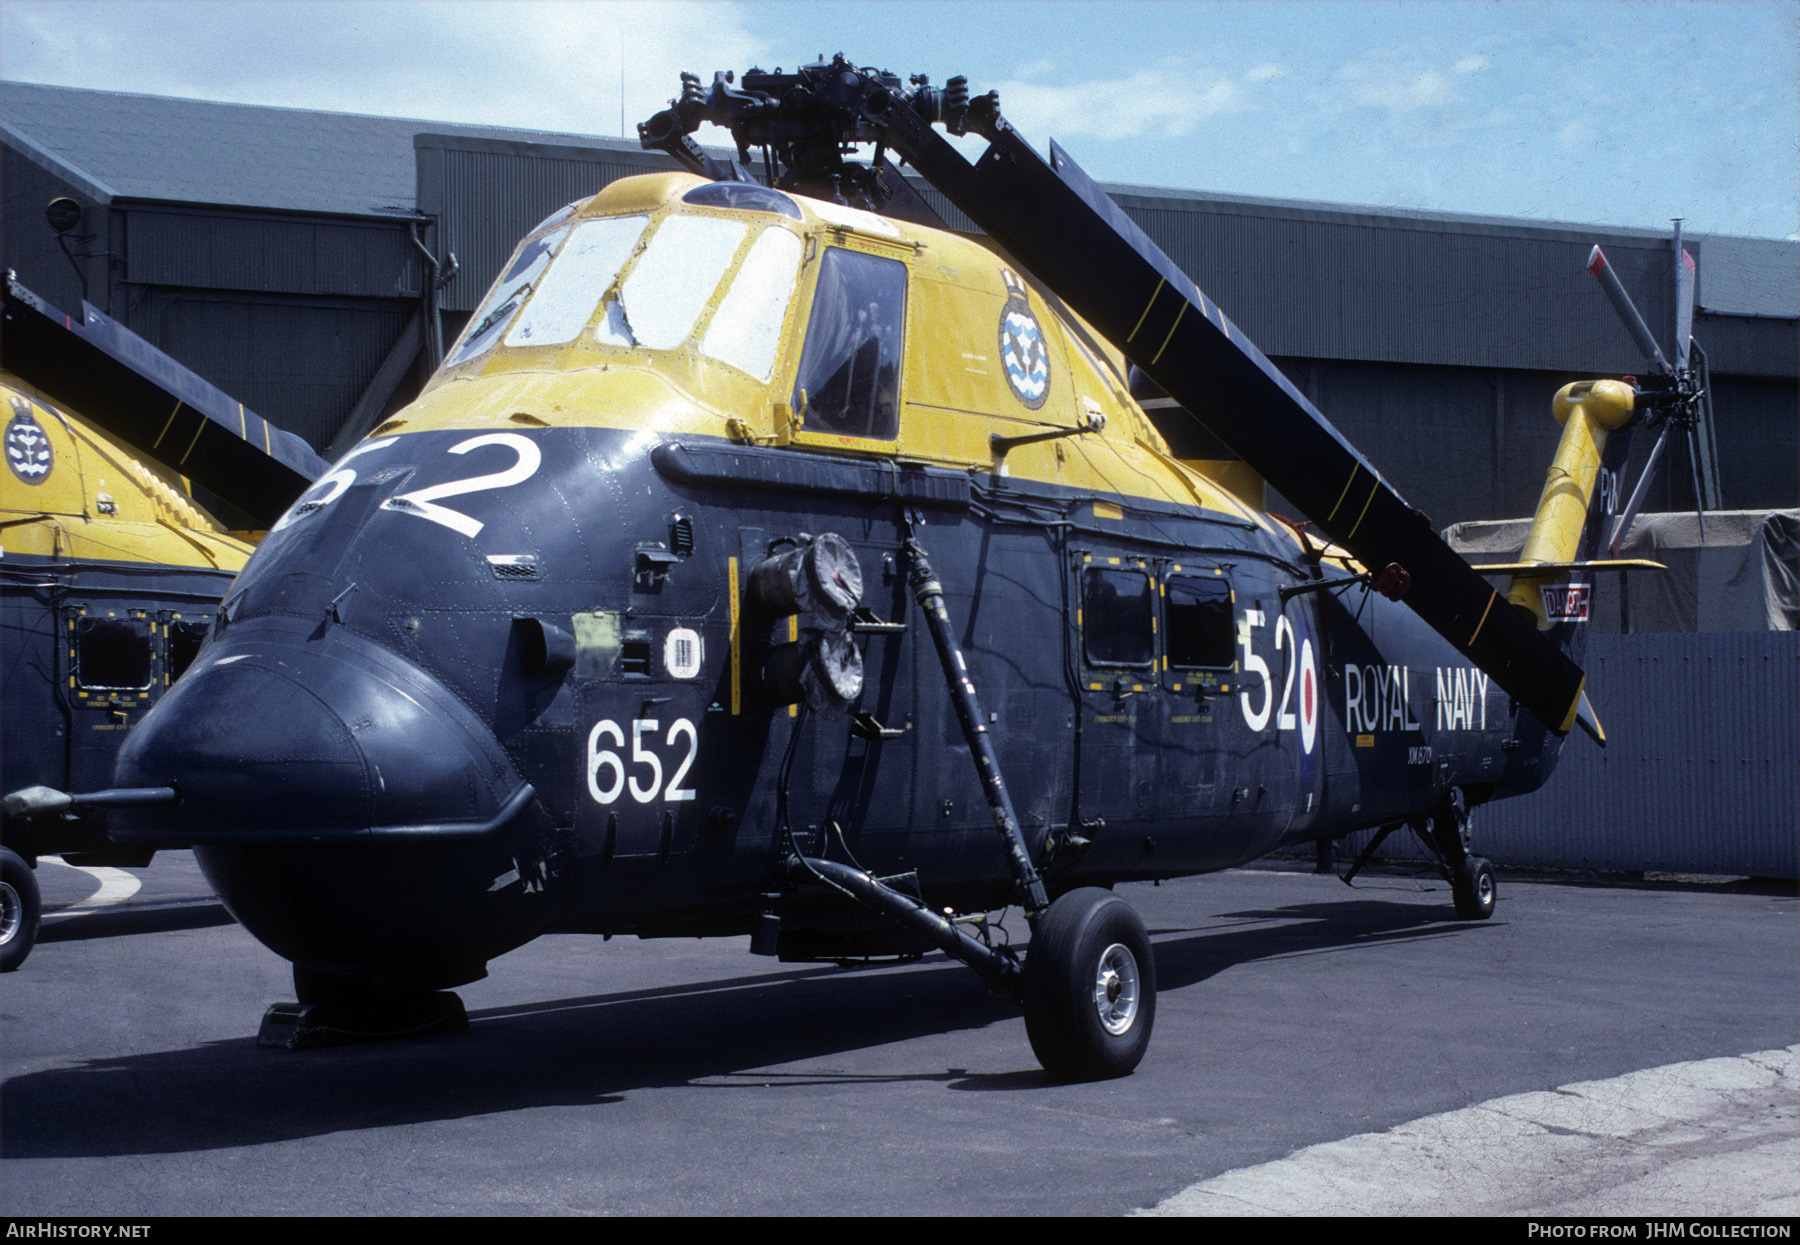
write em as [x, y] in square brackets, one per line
[1684, 306]
[1693, 440]
[1622, 528]
[1621, 301]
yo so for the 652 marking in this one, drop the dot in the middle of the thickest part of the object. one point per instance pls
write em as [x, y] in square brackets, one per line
[643, 789]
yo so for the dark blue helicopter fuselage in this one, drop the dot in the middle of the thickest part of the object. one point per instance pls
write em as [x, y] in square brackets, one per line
[415, 741]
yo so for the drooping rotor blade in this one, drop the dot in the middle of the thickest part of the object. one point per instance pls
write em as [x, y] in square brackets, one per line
[1684, 304]
[1621, 301]
[1622, 528]
[1080, 244]
[109, 374]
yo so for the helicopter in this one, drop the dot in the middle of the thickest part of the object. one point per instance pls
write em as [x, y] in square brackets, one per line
[766, 558]
[112, 569]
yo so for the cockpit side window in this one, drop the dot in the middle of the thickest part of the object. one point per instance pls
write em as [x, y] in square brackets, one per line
[570, 290]
[508, 295]
[849, 378]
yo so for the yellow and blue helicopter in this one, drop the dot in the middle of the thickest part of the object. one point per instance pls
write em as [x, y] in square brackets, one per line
[768, 559]
[110, 570]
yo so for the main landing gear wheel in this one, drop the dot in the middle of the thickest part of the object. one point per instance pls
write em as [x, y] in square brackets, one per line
[1090, 987]
[20, 908]
[1473, 889]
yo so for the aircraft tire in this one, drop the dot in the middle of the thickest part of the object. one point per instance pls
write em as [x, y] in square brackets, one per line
[20, 908]
[1090, 987]
[1474, 889]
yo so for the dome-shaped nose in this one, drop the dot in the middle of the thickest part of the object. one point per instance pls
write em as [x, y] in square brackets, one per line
[280, 734]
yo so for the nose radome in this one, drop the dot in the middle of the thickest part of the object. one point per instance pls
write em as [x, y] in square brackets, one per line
[281, 733]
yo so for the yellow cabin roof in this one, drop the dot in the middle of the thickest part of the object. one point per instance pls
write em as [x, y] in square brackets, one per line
[594, 323]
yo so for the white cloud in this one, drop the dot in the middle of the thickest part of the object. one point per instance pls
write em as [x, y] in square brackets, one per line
[1264, 72]
[1395, 89]
[1394, 97]
[1163, 101]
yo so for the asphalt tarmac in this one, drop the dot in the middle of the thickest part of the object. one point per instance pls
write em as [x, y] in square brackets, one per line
[688, 1077]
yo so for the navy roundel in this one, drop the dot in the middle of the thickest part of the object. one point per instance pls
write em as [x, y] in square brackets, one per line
[27, 448]
[1022, 350]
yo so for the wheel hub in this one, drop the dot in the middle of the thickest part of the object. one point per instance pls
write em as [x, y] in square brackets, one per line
[1116, 989]
[12, 912]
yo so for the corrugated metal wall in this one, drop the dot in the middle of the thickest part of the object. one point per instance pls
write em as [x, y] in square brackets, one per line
[1346, 286]
[1468, 443]
[277, 254]
[1701, 773]
[301, 363]
[30, 246]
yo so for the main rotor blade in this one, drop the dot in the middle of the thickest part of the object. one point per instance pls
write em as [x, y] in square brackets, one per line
[1622, 528]
[107, 373]
[1621, 301]
[1684, 307]
[1080, 244]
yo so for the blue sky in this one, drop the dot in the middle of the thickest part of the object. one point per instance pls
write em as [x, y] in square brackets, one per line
[1610, 113]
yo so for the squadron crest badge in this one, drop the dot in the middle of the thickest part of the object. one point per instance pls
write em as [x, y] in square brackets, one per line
[27, 448]
[1022, 350]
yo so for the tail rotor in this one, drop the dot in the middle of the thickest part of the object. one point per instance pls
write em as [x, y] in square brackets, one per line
[1675, 397]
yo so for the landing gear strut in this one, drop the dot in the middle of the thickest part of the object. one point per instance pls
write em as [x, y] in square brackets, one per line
[1088, 986]
[1446, 836]
[1471, 878]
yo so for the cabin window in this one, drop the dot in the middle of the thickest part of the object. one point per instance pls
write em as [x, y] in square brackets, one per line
[1199, 635]
[508, 295]
[186, 635]
[671, 283]
[571, 289]
[849, 380]
[746, 330]
[1116, 621]
[112, 654]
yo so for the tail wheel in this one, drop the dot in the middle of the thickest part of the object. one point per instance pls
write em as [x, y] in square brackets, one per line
[1090, 987]
[1474, 889]
[20, 908]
